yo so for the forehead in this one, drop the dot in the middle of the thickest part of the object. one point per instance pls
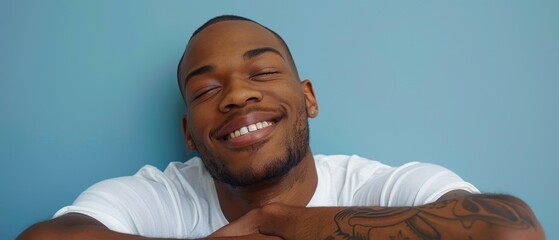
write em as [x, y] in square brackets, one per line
[227, 38]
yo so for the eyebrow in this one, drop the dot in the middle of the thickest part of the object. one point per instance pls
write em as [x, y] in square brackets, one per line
[259, 51]
[246, 56]
[198, 71]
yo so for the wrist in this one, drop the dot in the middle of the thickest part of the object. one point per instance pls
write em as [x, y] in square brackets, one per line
[317, 222]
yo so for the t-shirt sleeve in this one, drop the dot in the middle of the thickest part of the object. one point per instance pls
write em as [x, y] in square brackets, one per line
[411, 184]
[126, 205]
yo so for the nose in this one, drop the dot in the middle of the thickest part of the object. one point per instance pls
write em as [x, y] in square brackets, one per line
[239, 93]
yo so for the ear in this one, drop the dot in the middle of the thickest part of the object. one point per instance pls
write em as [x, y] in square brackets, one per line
[310, 98]
[187, 137]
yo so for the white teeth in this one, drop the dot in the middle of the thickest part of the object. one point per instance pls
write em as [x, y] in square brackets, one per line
[250, 128]
[244, 130]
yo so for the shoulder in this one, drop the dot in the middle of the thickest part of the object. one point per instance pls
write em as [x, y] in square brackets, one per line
[362, 181]
[151, 202]
[414, 183]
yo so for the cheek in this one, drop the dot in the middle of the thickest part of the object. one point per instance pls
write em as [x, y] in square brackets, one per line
[289, 92]
[292, 97]
[198, 126]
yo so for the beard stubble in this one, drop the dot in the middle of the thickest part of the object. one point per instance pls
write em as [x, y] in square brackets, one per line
[295, 144]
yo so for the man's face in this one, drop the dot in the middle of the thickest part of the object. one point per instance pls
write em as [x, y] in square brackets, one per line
[247, 109]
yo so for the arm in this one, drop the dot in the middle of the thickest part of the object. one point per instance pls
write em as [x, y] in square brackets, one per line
[78, 226]
[473, 216]
[72, 226]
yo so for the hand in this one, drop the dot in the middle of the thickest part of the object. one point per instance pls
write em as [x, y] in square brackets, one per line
[275, 221]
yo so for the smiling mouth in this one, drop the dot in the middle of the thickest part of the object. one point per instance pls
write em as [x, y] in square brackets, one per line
[249, 129]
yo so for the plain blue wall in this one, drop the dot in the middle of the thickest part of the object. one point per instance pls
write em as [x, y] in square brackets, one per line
[88, 90]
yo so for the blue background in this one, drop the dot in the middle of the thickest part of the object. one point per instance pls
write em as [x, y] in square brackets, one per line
[88, 90]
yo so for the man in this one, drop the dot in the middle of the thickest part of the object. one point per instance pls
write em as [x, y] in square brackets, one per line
[257, 178]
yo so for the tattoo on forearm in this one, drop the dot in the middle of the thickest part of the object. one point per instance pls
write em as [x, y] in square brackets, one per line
[428, 222]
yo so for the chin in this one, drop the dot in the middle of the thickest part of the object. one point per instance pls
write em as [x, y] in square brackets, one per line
[264, 171]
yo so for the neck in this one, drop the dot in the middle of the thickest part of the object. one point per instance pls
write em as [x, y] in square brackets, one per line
[294, 189]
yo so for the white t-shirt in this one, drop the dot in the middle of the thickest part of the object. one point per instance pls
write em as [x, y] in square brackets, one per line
[181, 202]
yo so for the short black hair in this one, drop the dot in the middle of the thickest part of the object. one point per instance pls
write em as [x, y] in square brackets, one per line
[230, 18]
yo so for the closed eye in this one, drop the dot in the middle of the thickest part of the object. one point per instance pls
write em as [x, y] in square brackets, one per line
[263, 75]
[205, 92]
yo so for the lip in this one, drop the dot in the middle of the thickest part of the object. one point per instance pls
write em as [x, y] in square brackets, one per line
[244, 120]
[258, 137]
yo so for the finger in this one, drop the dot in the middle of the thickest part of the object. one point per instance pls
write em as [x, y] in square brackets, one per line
[244, 226]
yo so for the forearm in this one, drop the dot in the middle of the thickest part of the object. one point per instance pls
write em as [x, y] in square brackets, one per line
[469, 217]
[77, 226]
[40, 232]
[74, 226]
[46, 231]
